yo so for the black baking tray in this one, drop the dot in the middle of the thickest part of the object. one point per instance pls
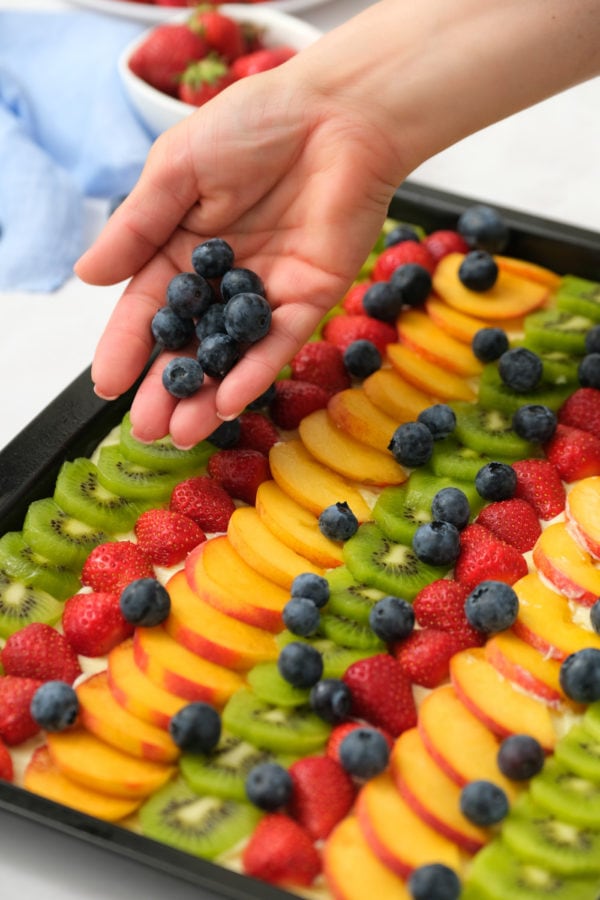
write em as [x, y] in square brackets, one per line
[73, 424]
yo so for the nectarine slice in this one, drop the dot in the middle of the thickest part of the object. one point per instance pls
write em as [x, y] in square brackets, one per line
[583, 514]
[462, 326]
[352, 411]
[528, 270]
[427, 376]
[395, 396]
[525, 666]
[566, 565]
[352, 869]
[418, 331]
[135, 692]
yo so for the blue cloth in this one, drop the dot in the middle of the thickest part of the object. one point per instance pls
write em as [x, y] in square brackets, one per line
[67, 132]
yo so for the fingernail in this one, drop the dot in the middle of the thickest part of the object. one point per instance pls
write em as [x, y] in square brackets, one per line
[104, 396]
[227, 418]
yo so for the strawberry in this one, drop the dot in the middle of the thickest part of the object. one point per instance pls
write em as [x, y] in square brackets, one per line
[223, 34]
[323, 793]
[93, 623]
[295, 399]
[113, 565]
[41, 652]
[353, 299]
[203, 80]
[6, 764]
[441, 605]
[381, 693]
[203, 500]
[485, 557]
[582, 410]
[574, 452]
[441, 243]
[343, 330]
[514, 521]
[339, 733]
[165, 54]
[425, 655]
[281, 852]
[257, 433]
[539, 483]
[400, 254]
[16, 722]
[240, 472]
[322, 363]
[167, 536]
[260, 61]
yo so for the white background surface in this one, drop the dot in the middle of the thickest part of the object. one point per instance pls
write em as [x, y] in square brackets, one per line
[545, 161]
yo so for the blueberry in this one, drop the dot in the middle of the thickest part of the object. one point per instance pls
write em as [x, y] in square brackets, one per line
[595, 616]
[434, 881]
[301, 616]
[182, 376]
[54, 706]
[337, 522]
[212, 258]
[247, 317]
[311, 585]
[592, 340]
[588, 371]
[362, 358]
[412, 282]
[496, 481]
[212, 322]
[226, 435]
[411, 444]
[483, 803]
[489, 344]
[478, 271]
[301, 664]
[437, 543]
[399, 234]
[218, 354]
[364, 752]
[520, 369]
[145, 602]
[265, 399]
[483, 228]
[520, 757]
[170, 330]
[239, 281]
[196, 727]
[439, 418]
[189, 295]
[450, 504]
[534, 422]
[331, 700]
[580, 675]
[382, 302]
[392, 619]
[492, 606]
[269, 786]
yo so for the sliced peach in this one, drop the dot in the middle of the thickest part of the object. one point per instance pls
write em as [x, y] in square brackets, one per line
[353, 871]
[566, 565]
[352, 411]
[427, 376]
[531, 271]
[419, 332]
[135, 692]
[582, 511]
[395, 396]
[525, 666]
[460, 325]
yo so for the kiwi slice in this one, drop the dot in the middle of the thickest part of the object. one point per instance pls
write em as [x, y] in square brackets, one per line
[494, 394]
[559, 368]
[579, 296]
[270, 687]
[489, 431]
[452, 459]
[79, 492]
[162, 454]
[20, 562]
[348, 598]
[277, 728]
[591, 720]
[579, 751]
[21, 604]
[132, 480]
[547, 840]
[201, 825]
[555, 329]
[63, 539]
[567, 795]
[390, 566]
[347, 632]
[336, 659]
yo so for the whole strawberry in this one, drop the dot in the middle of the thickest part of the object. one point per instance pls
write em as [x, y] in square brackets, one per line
[514, 521]
[222, 34]
[6, 764]
[582, 410]
[441, 605]
[425, 655]
[444, 241]
[539, 482]
[483, 556]
[322, 363]
[166, 537]
[203, 80]
[165, 54]
[343, 330]
[323, 793]
[281, 852]
[203, 500]
[93, 623]
[574, 452]
[382, 693]
[353, 299]
[41, 652]
[260, 60]
[339, 732]
[400, 254]
[16, 722]
[257, 433]
[113, 565]
[239, 472]
[295, 399]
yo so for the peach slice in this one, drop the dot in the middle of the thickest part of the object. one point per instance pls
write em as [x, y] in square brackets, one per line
[395, 396]
[352, 411]
[431, 794]
[262, 550]
[42, 776]
[312, 484]
[582, 511]
[411, 842]
[511, 295]
[461, 745]
[100, 713]
[175, 668]
[531, 271]
[84, 758]
[296, 526]
[546, 622]
[135, 692]
[213, 634]
[336, 448]
[566, 565]
[460, 325]
[219, 575]
[353, 871]
[525, 666]
[427, 376]
[419, 332]
[502, 707]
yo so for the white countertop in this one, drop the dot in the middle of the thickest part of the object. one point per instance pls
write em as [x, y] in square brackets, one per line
[545, 161]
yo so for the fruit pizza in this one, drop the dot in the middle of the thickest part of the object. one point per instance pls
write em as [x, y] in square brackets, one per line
[350, 643]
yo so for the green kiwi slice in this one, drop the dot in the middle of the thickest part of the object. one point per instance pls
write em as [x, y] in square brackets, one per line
[390, 566]
[277, 728]
[132, 480]
[270, 687]
[204, 826]
[63, 539]
[489, 431]
[20, 562]
[347, 632]
[555, 329]
[579, 296]
[336, 659]
[397, 517]
[162, 454]
[547, 840]
[591, 720]
[79, 492]
[579, 751]
[559, 368]
[566, 794]
[494, 394]
[348, 598]
[21, 604]
[452, 459]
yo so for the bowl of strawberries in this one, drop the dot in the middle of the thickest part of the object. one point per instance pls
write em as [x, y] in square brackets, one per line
[178, 65]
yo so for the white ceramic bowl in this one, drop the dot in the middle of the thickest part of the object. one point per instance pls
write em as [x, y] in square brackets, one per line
[158, 111]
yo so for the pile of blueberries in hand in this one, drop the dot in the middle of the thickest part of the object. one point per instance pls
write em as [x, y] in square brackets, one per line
[224, 307]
